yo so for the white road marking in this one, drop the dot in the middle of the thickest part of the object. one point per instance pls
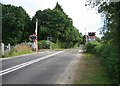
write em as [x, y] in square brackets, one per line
[3, 72]
[19, 56]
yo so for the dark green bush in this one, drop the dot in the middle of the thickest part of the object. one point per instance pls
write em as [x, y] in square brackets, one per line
[108, 54]
[43, 45]
[91, 47]
[110, 58]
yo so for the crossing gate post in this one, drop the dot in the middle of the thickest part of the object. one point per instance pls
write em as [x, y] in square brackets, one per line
[2, 48]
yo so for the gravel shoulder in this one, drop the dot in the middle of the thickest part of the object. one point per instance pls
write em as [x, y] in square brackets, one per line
[68, 76]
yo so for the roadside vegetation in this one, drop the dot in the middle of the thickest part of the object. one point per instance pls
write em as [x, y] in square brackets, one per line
[108, 56]
[108, 48]
[54, 23]
[43, 44]
[19, 50]
[91, 71]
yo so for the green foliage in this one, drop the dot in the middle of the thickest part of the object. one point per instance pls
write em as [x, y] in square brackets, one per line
[16, 24]
[98, 39]
[91, 47]
[99, 48]
[109, 50]
[108, 54]
[58, 7]
[19, 50]
[110, 58]
[55, 46]
[54, 23]
[43, 44]
[90, 71]
[58, 25]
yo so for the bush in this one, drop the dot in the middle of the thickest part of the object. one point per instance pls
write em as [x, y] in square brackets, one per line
[110, 58]
[108, 54]
[19, 49]
[54, 46]
[23, 47]
[43, 44]
[90, 47]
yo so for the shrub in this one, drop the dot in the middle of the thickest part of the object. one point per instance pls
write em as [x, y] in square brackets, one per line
[108, 54]
[90, 47]
[19, 49]
[110, 58]
[43, 44]
[54, 46]
[98, 49]
[22, 47]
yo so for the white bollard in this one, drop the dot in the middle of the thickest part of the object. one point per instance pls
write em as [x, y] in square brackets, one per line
[8, 47]
[2, 48]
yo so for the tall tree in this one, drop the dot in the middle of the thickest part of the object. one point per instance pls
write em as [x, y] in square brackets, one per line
[16, 24]
[111, 29]
[58, 7]
[57, 24]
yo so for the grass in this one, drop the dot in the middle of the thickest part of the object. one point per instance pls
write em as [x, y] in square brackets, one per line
[90, 71]
[18, 50]
[16, 53]
[54, 46]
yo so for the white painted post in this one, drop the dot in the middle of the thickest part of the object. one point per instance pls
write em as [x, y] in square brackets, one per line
[8, 47]
[36, 43]
[2, 48]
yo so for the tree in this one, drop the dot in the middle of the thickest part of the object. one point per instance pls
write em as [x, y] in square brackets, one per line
[111, 13]
[58, 25]
[58, 7]
[15, 22]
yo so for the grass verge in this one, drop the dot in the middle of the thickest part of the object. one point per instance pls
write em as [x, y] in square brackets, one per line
[10, 54]
[90, 71]
[19, 49]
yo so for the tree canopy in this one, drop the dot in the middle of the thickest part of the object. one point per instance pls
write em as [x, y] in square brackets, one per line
[15, 24]
[55, 23]
[110, 11]
[58, 25]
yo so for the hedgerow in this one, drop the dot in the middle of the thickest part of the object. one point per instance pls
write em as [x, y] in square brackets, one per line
[109, 57]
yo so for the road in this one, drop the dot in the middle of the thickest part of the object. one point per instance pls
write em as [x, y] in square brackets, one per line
[48, 67]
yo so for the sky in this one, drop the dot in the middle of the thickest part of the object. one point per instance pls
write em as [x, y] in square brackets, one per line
[83, 17]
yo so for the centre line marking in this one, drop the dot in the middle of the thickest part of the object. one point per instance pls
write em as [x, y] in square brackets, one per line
[3, 72]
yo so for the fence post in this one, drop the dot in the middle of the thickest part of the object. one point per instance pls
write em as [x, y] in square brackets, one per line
[8, 47]
[2, 48]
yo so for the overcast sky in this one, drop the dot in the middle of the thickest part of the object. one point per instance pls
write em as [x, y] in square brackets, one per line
[81, 16]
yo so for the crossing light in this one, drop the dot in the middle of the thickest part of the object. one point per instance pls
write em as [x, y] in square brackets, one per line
[91, 34]
[32, 38]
